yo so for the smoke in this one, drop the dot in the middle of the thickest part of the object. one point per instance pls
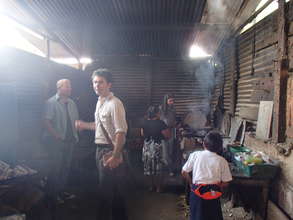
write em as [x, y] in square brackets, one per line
[217, 11]
[207, 79]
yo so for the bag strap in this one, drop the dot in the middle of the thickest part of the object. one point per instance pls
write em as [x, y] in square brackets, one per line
[208, 195]
[106, 134]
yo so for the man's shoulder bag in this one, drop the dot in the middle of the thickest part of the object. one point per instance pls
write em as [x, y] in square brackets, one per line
[107, 155]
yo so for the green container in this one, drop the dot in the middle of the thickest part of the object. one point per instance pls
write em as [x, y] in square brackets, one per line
[237, 149]
[261, 171]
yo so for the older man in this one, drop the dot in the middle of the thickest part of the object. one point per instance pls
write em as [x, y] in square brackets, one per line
[110, 127]
[60, 135]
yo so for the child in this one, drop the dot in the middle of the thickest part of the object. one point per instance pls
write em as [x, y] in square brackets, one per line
[211, 169]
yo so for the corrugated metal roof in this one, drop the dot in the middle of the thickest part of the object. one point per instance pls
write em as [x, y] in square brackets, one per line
[163, 28]
[230, 12]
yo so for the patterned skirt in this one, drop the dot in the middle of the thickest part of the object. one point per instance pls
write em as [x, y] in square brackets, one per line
[152, 157]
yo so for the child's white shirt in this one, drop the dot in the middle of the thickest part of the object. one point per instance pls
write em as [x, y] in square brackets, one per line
[207, 167]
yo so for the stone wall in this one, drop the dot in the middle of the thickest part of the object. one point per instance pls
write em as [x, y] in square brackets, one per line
[282, 186]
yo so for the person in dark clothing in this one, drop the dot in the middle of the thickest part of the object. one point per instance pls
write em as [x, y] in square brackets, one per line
[168, 115]
[154, 131]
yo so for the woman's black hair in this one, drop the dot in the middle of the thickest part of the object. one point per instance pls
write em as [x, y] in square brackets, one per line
[165, 100]
[152, 111]
[213, 142]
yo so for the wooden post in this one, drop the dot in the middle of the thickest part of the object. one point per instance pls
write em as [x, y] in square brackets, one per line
[234, 77]
[280, 78]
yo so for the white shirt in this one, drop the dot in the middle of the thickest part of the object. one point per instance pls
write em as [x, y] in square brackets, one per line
[207, 167]
[111, 112]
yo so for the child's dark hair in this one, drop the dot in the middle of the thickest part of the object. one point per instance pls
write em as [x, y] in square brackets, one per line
[152, 111]
[213, 142]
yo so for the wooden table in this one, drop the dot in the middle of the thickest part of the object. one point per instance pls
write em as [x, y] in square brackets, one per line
[240, 180]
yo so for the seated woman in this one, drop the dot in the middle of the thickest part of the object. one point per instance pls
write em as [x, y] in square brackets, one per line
[154, 131]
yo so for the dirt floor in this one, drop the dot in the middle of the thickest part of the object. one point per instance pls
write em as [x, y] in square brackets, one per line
[144, 205]
[238, 213]
[141, 204]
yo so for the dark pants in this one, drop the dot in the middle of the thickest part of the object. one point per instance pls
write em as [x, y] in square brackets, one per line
[60, 155]
[201, 209]
[171, 151]
[111, 189]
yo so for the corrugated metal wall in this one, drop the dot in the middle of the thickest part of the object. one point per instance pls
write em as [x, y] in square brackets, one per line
[34, 80]
[188, 81]
[229, 70]
[256, 55]
[141, 81]
[30, 97]
[132, 78]
[250, 67]
[9, 121]
[224, 70]
[132, 85]
[218, 89]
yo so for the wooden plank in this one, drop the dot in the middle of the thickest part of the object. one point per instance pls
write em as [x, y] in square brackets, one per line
[234, 76]
[264, 120]
[289, 114]
[280, 78]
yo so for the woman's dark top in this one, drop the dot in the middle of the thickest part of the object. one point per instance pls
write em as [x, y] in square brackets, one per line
[152, 129]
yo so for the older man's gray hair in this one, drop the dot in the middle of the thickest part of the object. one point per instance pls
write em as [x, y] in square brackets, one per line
[61, 82]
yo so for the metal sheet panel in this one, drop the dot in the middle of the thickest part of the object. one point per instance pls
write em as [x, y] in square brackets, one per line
[96, 27]
[219, 73]
[225, 72]
[30, 108]
[131, 75]
[188, 82]
[257, 52]
[141, 81]
[131, 84]
[229, 69]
